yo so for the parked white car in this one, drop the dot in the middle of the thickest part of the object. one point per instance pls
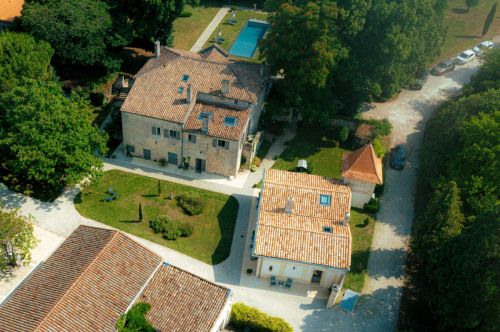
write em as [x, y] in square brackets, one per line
[466, 56]
[481, 47]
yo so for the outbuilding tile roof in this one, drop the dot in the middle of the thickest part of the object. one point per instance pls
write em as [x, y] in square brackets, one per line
[181, 301]
[300, 235]
[363, 164]
[216, 126]
[10, 9]
[85, 285]
[155, 92]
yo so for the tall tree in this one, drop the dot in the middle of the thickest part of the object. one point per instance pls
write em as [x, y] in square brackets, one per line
[16, 238]
[441, 221]
[46, 139]
[488, 76]
[466, 279]
[23, 57]
[78, 30]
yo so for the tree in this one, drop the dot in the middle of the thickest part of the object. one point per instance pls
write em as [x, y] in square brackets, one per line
[343, 134]
[46, 139]
[306, 43]
[441, 221]
[16, 238]
[488, 76]
[159, 187]
[147, 19]
[135, 319]
[471, 3]
[465, 279]
[78, 30]
[23, 57]
[141, 216]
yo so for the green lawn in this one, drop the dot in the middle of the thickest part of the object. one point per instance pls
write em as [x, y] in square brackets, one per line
[464, 28]
[188, 29]
[213, 228]
[230, 32]
[318, 147]
[361, 243]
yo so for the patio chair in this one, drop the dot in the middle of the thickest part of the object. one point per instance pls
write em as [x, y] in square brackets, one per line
[273, 280]
[110, 191]
[108, 199]
[288, 283]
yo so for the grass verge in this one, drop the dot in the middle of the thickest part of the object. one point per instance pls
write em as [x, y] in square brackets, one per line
[213, 228]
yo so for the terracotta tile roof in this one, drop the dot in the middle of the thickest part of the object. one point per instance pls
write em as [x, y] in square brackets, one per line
[216, 126]
[155, 92]
[363, 165]
[299, 236]
[365, 131]
[181, 301]
[10, 9]
[85, 285]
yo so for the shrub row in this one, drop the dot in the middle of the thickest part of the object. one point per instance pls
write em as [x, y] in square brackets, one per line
[170, 229]
[243, 316]
[191, 203]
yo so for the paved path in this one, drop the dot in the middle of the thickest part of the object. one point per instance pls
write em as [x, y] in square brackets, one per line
[377, 309]
[205, 35]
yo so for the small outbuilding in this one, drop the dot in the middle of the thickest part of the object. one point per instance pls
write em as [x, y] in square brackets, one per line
[362, 171]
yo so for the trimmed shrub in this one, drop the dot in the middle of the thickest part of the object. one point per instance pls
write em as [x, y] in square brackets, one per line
[343, 134]
[158, 224]
[244, 316]
[372, 206]
[381, 127]
[191, 203]
[172, 230]
[379, 148]
[253, 168]
[186, 13]
[185, 229]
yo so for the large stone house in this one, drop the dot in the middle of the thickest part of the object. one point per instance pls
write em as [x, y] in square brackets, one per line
[362, 171]
[195, 109]
[302, 230]
[96, 275]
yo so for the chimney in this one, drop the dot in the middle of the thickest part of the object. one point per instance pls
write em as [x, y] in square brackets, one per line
[289, 205]
[157, 48]
[224, 89]
[346, 219]
[189, 94]
[204, 124]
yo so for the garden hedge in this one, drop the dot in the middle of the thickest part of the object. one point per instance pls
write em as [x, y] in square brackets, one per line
[244, 316]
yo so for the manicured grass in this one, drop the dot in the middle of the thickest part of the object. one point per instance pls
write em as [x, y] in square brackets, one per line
[361, 243]
[318, 147]
[464, 28]
[213, 228]
[230, 32]
[188, 29]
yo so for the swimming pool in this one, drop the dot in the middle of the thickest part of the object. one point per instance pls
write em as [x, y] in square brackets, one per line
[248, 39]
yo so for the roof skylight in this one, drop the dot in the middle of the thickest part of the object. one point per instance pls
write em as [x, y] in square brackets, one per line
[230, 121]
[185, 77]
[204, 115]
[180, 89]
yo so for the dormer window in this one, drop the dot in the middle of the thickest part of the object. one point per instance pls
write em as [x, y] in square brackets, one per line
[185, 77]
[327, 229]
[230, 121]
[325, 200]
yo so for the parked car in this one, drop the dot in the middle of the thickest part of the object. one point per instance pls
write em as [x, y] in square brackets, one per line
[483, 46]
[420, 80]
[398, 157]
[443, 67]
[465, 57]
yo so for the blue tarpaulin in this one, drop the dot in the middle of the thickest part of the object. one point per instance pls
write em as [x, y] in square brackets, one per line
[349, 301]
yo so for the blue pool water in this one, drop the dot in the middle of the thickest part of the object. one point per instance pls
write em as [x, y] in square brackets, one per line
[248, 39]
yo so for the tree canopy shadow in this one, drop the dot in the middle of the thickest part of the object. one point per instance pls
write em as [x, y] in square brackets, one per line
[457, 10]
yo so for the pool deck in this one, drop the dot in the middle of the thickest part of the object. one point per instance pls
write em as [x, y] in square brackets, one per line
[205, 35]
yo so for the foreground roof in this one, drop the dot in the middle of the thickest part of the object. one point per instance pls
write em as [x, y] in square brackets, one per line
[10, 9]
[181, 301]
[85, 285]
[300, 235]
[156, 91]
[216, 125]
[363, 164]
